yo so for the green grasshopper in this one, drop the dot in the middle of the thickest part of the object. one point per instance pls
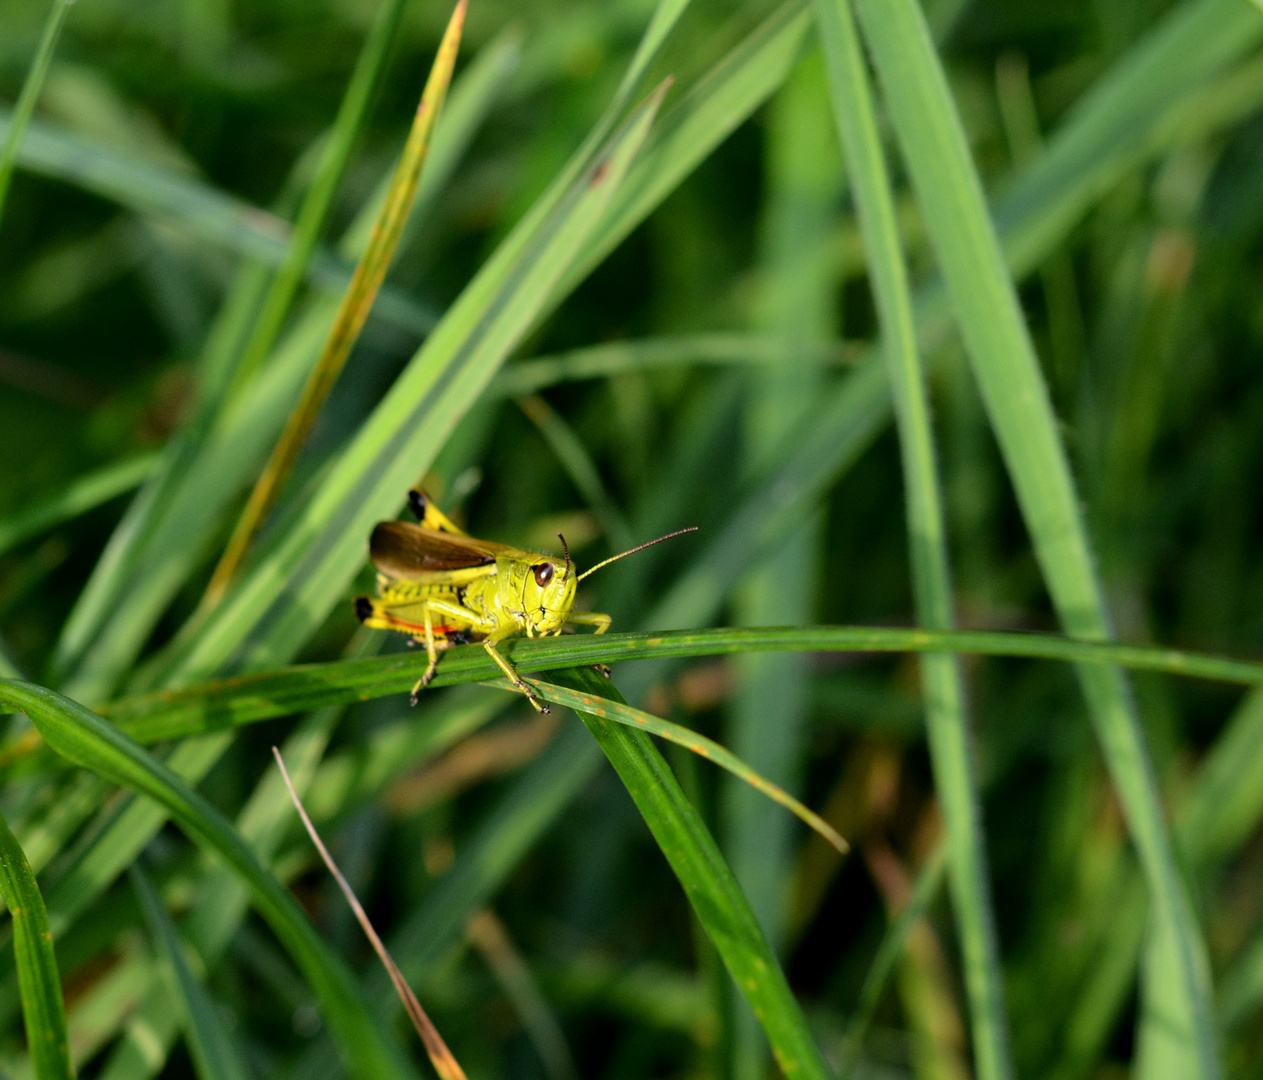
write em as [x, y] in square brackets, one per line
[442, 587]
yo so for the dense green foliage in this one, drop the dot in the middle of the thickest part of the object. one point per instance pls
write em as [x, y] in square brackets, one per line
[938, 315]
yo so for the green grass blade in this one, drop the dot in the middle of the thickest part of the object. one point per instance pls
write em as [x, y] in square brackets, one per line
[30, 95]
[954, 771]
[40, 984]
[86, 739]
[708, 883]
[352, 314]
[569, 450]
[218, 705]
[622, 713]
[214, 1053]
[928, 881]
[80, 496]
[618, 357]
[290, 593]
[359, 95]
[990, 321]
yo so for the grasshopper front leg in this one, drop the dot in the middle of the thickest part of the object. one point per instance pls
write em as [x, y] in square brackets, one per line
[490, 645]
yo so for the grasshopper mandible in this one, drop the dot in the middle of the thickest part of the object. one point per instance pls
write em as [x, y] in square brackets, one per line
[442, 587]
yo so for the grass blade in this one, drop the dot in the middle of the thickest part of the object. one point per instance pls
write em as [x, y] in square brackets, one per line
[214, 1054]
[622, 713]
[289, 594]
[954, 771]
[352, 314]
[221, 704]
[359, 95]
[81, 495]
[708, 883]
[88, 741]
[30, 95]
[38, 979]
[617, 357]
[990, 321]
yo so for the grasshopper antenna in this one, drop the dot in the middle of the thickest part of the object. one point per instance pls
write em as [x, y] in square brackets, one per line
[632, 551]
[566, 551]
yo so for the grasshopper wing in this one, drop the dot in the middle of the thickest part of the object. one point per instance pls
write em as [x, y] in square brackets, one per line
[401, 550]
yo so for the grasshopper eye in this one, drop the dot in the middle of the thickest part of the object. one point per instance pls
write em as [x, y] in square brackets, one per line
[544, 574]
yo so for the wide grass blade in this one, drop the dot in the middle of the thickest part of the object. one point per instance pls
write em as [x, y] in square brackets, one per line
[87, 740]
[30, 95]
[709, 885]
[275, 608]
[214, 1053]
[990, 320]
[955, 775]
[352, 314]
[38, 979]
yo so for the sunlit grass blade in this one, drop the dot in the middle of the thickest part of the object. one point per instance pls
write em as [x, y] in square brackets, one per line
[352, 314]
[215, 706]
[311, 566]
[81, 495]
[38, 978]
[30, 95]
[704, 875]
[954, 772]
[991, 323]
[88, 741]
[214, 1053]
[622, 713]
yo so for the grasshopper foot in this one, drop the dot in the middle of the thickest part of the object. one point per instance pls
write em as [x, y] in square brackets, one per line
[602, 669]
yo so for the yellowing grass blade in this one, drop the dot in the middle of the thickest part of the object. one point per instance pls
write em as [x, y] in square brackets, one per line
[357, 302]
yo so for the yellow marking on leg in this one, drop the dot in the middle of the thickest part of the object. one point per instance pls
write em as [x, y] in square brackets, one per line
[514, 677]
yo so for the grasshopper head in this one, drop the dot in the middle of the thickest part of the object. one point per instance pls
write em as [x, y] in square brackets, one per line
[548, 596]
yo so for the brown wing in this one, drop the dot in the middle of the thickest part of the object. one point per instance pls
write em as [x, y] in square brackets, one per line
[402, 550]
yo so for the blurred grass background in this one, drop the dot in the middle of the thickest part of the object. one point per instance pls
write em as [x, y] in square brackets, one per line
[540, 924]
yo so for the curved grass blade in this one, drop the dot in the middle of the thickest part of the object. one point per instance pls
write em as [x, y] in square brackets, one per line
[214, 1054]
[352, 314]
[225, 703]
[708, 883]
[441, 1057]
[84, 738]
[574, 458]
[617, 357]
[78, 497]
[622, 713]
[1003, 358]
[38, 980]
[30, 94]
[955, 777]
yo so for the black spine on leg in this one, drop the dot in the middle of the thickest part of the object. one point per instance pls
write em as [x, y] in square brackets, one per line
[417, 503]
[363, 607]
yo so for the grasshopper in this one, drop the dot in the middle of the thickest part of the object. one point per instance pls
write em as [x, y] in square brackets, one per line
[440, 586]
